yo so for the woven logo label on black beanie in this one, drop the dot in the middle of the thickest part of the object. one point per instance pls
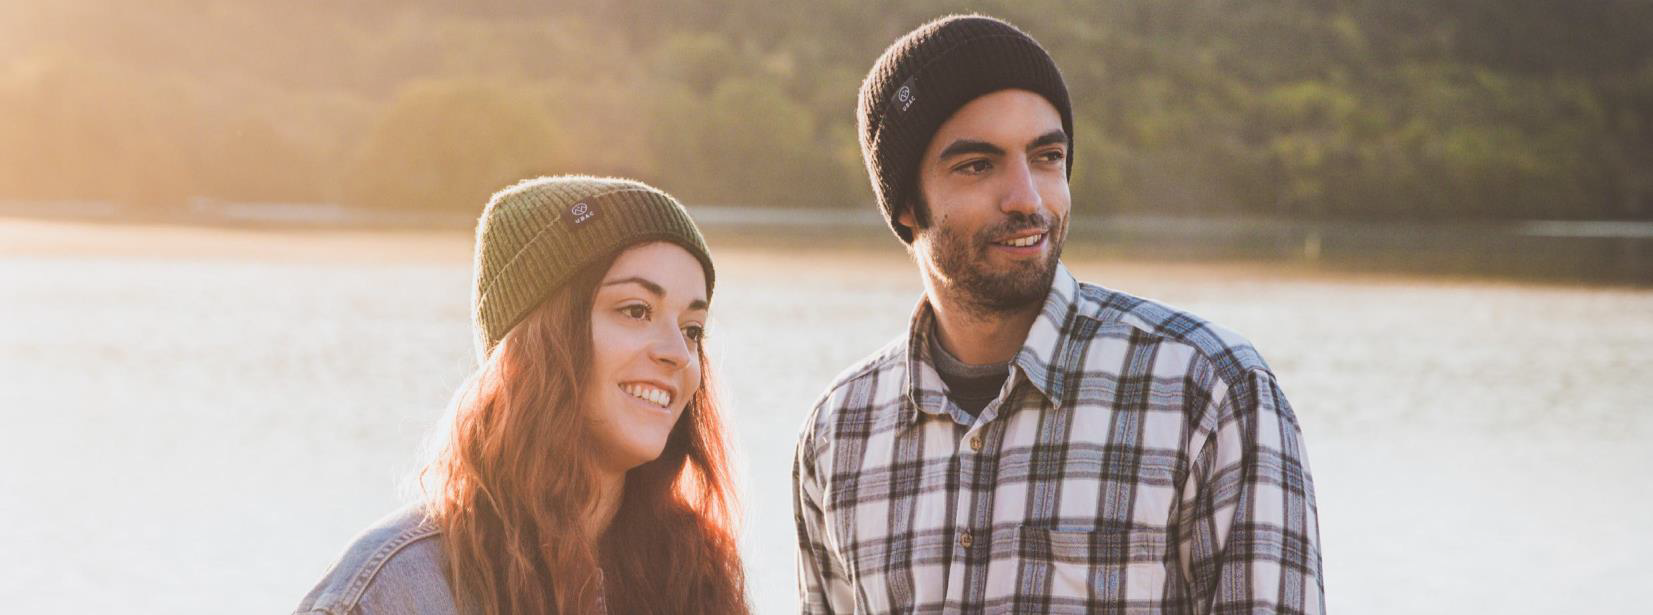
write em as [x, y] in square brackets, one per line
[582, 212]
[904, 95]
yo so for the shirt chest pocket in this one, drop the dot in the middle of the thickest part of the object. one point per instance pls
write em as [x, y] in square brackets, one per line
[1077, 571]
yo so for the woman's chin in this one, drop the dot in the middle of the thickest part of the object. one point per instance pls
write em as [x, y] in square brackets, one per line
[635, 456]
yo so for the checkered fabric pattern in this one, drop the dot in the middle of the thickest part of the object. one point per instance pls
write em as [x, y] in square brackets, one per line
[1137, 460]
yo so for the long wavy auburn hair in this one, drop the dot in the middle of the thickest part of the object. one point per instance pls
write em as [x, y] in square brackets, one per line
[513, 483]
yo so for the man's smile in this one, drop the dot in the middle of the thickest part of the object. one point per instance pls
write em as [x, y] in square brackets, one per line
[1024, 240]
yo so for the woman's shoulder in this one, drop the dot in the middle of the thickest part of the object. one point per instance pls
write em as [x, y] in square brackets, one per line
[394, 566]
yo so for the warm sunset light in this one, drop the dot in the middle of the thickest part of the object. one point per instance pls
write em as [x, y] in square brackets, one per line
[242, 282]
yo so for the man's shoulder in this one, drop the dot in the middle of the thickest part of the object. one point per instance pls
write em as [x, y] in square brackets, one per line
[398, 561]
[881, 364]
[866, 383]
[1231, 354]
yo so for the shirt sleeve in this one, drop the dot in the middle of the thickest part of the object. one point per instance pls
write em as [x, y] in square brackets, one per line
[1250, 534]
[821, 586]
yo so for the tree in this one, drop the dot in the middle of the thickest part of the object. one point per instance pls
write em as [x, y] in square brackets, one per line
[448, 145]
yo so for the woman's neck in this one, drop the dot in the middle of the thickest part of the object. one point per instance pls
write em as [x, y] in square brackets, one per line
[611, 488]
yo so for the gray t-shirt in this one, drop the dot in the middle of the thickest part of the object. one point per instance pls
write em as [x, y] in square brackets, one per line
[970, 386]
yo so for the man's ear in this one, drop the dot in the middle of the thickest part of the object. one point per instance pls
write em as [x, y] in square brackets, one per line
[906, 217]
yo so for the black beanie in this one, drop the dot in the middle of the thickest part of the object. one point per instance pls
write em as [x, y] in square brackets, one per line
[927, 75]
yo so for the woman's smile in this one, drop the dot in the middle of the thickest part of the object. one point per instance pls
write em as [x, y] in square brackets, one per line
[656, 395]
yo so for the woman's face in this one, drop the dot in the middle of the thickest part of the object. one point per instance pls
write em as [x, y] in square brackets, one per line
[646, 323]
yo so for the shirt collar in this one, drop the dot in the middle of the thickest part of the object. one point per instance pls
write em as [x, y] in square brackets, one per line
[1047, 358]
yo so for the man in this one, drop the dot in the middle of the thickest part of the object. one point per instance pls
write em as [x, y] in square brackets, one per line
[1034, 444]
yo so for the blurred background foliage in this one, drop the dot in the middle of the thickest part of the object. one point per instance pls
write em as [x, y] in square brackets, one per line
[1352, 109]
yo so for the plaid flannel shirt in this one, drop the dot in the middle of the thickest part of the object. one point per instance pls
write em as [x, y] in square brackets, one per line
[1138, 459]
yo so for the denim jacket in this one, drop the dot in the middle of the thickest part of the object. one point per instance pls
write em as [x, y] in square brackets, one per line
[394, 567]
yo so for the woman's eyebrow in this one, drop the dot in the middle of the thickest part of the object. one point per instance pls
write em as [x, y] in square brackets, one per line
[647, 284]
[654, 289]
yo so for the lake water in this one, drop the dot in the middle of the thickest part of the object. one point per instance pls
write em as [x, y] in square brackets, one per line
[198, 421]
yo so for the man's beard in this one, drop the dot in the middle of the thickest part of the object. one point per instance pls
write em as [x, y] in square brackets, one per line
[963, 264]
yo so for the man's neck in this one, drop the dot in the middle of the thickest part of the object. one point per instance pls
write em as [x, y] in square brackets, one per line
[981, 337]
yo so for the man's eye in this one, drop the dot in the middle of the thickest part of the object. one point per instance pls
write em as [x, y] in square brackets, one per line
[974, 167]
[1053, 156]
[636, 311]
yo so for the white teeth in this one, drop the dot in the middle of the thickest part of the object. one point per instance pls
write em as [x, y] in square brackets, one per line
[1024, 241]
[649, 394]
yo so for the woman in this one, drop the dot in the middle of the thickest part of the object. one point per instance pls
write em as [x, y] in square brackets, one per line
[584, 468]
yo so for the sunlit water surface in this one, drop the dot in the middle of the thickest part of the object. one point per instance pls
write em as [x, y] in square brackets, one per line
[203, 435]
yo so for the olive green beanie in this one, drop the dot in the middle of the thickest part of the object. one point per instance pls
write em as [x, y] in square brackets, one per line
[534, 236]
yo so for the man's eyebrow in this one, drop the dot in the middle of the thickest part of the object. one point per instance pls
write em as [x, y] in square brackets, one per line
[969, 146]
[654, 289]
[1049, 138]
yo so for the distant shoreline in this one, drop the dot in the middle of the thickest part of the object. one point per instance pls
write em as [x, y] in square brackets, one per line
[1598, 252]
[210, 212]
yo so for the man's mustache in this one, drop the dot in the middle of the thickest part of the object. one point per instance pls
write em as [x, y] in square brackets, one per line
[1017, 223]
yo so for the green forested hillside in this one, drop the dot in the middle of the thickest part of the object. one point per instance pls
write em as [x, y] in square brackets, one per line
[1395, 109]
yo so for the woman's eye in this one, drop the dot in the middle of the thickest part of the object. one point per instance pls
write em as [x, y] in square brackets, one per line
[636, 311]
[694, 333]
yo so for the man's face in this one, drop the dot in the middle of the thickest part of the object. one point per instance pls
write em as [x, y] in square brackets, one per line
[994, 182]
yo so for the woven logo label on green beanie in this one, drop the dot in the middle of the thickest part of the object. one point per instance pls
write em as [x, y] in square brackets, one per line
[582, 212]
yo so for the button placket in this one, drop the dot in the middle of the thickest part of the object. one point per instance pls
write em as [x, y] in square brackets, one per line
[977, 463]
[964, 466]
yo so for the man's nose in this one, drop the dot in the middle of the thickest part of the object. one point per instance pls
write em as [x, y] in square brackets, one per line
[1021, 194]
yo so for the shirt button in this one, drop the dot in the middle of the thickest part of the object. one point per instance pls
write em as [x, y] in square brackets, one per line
[965, 540]
[975, 443]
